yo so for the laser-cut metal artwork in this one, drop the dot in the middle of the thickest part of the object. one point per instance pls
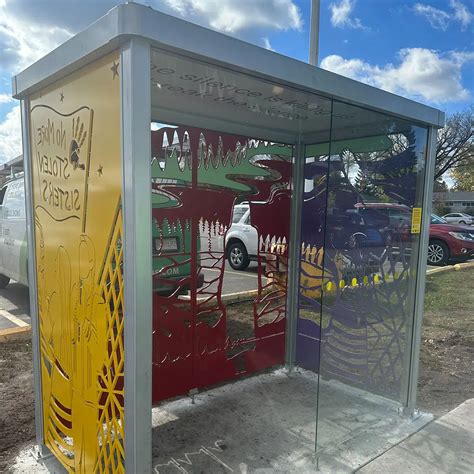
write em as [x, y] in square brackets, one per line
[78, 248]
[197, 177]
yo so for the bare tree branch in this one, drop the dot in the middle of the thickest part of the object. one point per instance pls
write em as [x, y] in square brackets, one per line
[455, 143]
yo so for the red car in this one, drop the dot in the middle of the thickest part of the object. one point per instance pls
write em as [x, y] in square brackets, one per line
[449, 241]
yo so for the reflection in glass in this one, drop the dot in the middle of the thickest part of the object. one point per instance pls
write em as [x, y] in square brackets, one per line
[370, 252]
[221, 209]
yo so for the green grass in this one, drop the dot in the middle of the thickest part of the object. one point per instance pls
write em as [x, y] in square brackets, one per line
[450, 290]
[449, 305]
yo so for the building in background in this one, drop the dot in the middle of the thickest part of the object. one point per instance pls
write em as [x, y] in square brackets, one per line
[454, 201]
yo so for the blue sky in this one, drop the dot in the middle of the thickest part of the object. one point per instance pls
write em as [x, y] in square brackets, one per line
[423, 49]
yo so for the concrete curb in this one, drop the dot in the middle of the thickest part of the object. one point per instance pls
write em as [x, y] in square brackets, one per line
[228, 297]
[239, 296]
[15, 334]
[456, 267]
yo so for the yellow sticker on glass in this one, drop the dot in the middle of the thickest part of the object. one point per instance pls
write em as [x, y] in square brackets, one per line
[416, 220]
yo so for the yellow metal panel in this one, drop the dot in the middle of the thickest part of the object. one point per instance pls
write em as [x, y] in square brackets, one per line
[76, 174]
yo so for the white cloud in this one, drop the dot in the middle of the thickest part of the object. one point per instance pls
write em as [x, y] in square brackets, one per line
[29, 29]
[22, 43]
[5, 98]
[267, 44]
[437, 18]
[341, 14]
[10, 135]
[461, 13]
[71, 15]
[232, 16]
[441, 19]
[420, 74]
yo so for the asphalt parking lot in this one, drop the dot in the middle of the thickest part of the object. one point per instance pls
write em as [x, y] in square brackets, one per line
[236, 281]
[14, 307]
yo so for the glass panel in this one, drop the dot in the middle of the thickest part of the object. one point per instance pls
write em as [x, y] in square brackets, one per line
[227, 173]
[371, 244]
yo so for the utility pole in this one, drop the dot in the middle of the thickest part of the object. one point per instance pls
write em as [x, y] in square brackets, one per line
[314, 32]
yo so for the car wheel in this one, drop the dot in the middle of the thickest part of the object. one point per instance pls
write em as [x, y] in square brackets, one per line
[462, 222]
[438, 253]
[4, 280]
[237, 256]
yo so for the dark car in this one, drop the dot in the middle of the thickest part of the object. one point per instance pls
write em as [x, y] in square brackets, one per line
[449, 241]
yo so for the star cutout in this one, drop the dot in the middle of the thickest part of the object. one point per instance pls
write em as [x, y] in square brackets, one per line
[61, 97]
[100, 170]
[114, 69]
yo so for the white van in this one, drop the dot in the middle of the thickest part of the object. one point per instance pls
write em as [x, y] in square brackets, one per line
[13, 248]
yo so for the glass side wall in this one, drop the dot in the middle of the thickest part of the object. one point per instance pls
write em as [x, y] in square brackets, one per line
[223, 185]
[374, 189]
[225, 146]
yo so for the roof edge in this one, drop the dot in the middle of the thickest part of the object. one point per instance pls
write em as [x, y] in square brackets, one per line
[136, 20]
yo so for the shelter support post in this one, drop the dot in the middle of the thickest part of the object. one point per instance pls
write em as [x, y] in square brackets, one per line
[43, 451]
[294, 256]
[415, 343]
[136, 203]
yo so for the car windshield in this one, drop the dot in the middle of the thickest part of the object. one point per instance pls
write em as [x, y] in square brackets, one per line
[238, 214]
[438, 220]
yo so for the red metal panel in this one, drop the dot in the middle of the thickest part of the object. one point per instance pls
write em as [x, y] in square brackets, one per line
[192, 346]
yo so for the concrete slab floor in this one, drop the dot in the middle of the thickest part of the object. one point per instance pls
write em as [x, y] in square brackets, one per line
[267, 424]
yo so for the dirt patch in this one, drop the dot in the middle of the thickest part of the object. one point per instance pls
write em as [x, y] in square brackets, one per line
[17, 417]
[447, 354]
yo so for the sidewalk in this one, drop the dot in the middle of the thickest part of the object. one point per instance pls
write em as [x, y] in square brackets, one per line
[446, 445]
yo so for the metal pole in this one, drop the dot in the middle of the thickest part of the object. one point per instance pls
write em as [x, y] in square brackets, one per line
[43, 451]
[314, 32]
[293, 284]
[136, 205]
[421, 274]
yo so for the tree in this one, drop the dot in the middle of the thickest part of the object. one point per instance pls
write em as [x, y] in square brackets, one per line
[364, 185]
[440, 186]
[463, 176]
[455, 144]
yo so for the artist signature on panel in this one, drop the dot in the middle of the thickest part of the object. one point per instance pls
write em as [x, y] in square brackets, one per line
[211, 454]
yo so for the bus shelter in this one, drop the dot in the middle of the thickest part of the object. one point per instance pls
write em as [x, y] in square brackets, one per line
[166, 164]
